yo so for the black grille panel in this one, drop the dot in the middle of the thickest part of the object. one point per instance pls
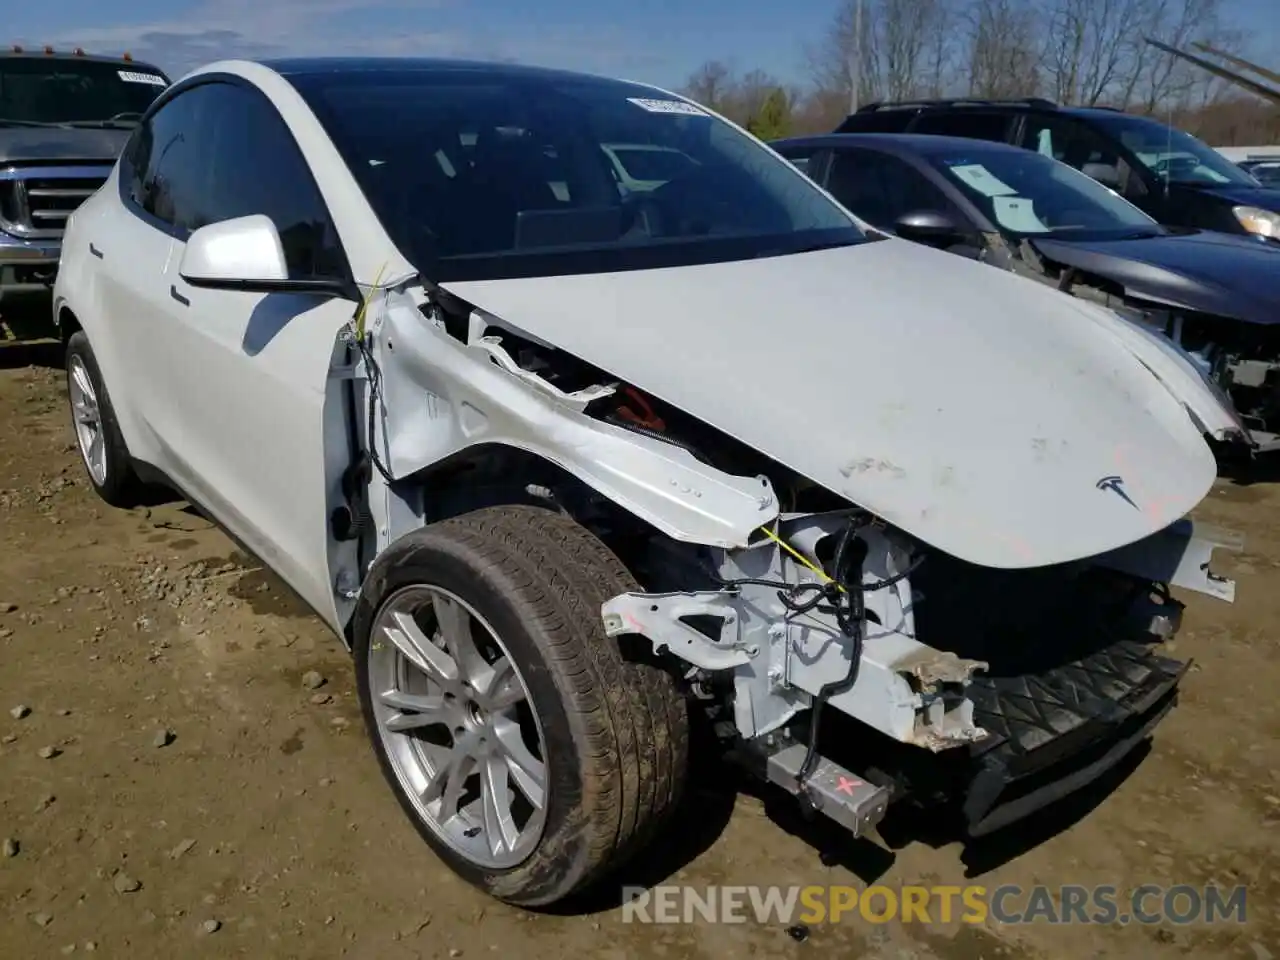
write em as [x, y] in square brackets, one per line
[8, 202]
[50, 200]
[35, 202]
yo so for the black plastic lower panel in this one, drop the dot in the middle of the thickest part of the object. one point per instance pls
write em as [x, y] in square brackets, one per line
[1052, 733]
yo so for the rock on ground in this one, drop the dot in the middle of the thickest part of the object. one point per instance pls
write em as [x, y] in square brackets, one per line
[162, 620]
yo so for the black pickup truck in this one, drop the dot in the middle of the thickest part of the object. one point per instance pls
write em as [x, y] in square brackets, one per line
[64, 118]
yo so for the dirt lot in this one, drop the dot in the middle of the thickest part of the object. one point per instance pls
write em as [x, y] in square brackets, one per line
[175, 788]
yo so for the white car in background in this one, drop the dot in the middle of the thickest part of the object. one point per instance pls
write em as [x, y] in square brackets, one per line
[570, 471]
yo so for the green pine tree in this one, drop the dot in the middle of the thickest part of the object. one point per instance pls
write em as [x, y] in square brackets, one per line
[774, 117]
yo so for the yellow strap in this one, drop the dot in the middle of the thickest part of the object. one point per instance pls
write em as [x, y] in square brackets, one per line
[364, 305]
[799, 556]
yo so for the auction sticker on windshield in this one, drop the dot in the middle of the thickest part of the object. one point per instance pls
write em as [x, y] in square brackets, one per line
[1017, 214]
[668, 106]
[981, 179]
[128, 76]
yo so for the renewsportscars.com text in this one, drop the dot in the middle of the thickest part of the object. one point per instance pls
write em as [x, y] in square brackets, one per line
[1179, 904]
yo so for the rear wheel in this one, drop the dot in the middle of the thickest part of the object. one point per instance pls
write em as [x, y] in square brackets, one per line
[530, 753]
[102, 448]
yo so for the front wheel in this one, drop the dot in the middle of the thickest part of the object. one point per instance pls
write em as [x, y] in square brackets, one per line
[531, 754]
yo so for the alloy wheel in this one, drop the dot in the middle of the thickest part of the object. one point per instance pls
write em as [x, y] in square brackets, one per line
[87, 416]
[457, 723]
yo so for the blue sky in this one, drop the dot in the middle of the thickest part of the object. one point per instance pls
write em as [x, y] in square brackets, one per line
[660, 41]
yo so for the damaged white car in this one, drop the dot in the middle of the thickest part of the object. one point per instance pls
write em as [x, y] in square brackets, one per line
[572, 466]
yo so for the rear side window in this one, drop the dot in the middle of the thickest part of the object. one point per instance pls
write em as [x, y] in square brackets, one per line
[164, 162]
[877, 121]
[135, 158]
[801, 158]
[880, 188]
[1069, 141]
[974, 124]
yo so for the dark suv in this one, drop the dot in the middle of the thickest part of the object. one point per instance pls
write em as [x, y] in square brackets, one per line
[64, 117]
[1170, 174]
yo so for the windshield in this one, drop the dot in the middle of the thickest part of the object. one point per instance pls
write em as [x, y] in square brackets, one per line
[57, 90]
[1028, 194]
[489, 173]
[1172, 154]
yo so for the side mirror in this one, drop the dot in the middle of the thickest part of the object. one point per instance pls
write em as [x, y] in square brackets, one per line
[246, 254]
[930, 227]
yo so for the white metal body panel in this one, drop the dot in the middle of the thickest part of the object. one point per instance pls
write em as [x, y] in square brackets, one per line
[976, 410]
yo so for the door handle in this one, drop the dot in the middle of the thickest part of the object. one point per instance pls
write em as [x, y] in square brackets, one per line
[94, 250]
[173, 292]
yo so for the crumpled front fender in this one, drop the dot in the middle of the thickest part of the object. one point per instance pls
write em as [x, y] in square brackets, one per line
[440, 396]
[1208, 405]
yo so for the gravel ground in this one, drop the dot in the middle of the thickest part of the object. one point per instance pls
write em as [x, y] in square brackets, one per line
[183, 772]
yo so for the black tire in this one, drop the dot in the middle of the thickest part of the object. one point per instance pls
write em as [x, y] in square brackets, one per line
[615, 726]
[121, 486]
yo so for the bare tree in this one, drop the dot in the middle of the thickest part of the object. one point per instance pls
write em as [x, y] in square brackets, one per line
[752, 92]
[903, 50]
[820, 111]
[711, 85]
[1159, 78]
[1095, 50]
[838, 59]
[1090, 46]
[907, 32]
[943, 52]
[1074, 51]
[742, 99]
[1003, 49]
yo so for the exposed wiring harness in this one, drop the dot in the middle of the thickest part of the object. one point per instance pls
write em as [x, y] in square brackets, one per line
[842, 593]
[369, 456]
[375, 387]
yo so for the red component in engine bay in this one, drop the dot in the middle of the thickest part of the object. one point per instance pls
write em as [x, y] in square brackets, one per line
[646, 417]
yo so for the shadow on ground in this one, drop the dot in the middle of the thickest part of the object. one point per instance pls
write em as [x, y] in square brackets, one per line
[716, 783]
[941, 827]
[266, 593]
[31, 353]
[28, 320]
[1246, 472]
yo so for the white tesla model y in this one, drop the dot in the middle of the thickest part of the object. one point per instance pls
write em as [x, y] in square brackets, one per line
[572, 461]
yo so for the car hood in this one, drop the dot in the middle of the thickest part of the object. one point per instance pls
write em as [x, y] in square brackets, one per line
[990, 416]
[1213, 273]
[1268, 198]
[33, 144]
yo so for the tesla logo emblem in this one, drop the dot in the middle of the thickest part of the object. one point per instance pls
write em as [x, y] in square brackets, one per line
[1116, 486]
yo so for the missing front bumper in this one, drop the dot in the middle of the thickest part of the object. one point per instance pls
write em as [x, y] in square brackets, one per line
[1053, 734]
